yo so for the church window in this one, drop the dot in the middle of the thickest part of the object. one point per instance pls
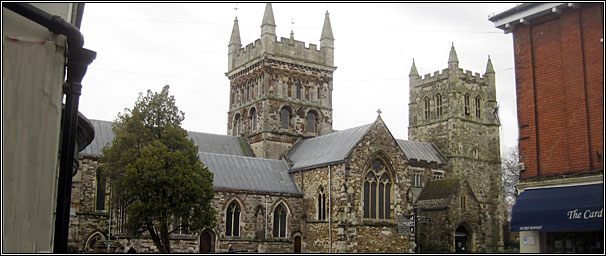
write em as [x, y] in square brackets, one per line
[463, 202]
[312, 122]
[426, 107]
[253, 119]
[289, 90]
[298, 85]
[467, 110]
[248, 92]
[280, 221]
[438, 175]
[285, 118]
[92, 240]
[232, 219]
[438, 104]
[377, 192]
[478, 106]
[417, 179]
[321, 204]
[237, 125]
[177, 226]
[100, 202]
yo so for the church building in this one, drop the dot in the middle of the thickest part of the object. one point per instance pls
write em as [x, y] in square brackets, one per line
[286, 182]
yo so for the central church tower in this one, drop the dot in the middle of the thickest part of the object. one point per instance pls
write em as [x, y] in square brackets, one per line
[280, 91]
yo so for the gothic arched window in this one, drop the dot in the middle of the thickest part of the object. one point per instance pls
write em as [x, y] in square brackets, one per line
[298, 85]
[285, 118]
[467, 110]
[237, 125]
[438, 104]
[312, 122]
[426, 107]
[253, 119]
[321, 204]
[100, 193]
[478, 105]
[232, 219]
[377, 191]
[280, 221]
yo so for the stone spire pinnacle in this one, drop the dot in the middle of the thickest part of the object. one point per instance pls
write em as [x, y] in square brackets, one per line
[268, 17]
[327, 28]
[268, 26]
[452, 58]
[413, 69]
[489, 68]
[235, 35]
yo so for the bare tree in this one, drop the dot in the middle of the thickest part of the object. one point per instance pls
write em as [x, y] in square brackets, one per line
[511, 176]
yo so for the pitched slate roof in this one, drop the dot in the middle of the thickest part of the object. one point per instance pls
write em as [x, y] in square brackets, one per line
[103, 135]
[249, 173]
[326, 149]
[421, 151]
[436, 193]
[212, 143]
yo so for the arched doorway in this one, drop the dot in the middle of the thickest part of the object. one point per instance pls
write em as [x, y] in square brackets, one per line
[297, 244]
[207, 241]
[462, 240]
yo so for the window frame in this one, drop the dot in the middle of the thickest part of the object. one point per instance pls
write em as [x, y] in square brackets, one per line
[377, 191]
[235, 223]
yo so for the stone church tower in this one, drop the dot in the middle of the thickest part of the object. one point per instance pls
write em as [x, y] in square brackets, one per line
[456, 111]
[280, 91]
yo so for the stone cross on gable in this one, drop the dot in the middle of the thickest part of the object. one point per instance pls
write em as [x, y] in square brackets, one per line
[379, 112]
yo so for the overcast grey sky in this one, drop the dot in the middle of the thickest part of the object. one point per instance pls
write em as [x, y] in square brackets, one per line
[143, 46]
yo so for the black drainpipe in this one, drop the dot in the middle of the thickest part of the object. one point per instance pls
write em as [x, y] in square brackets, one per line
[78, 59]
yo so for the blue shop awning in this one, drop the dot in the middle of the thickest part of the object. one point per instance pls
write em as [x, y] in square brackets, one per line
[559, 209]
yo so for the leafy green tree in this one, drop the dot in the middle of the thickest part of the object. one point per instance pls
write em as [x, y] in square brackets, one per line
[155, 172]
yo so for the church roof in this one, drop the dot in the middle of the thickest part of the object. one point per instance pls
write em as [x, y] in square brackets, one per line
[436, 193]
[207, 142]
[326, 149]
[249, 173]
[103, 135]
[421, 151]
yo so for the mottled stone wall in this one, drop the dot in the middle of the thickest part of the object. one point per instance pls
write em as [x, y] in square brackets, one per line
[254, 236]
[470, 142]
[85, 220]
[350, 232]
[439, 235]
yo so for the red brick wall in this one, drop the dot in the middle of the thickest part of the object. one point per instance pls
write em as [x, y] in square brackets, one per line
[560, 90]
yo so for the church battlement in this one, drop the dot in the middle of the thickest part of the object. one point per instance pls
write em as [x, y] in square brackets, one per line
[466, 75]
[284, 46]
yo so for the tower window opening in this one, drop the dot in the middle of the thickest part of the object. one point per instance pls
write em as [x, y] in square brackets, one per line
[426, 107]
[467, 110]
[439, 104]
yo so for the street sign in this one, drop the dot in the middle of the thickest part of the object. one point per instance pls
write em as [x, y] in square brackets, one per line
[423, 219]
[406, 230]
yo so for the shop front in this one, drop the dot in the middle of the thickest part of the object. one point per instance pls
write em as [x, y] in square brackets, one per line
[560, 219]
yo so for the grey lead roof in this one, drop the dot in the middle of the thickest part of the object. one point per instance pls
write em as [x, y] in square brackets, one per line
[325, 149]
[249, 173]
[213, 143]
[421, 151]
[103, 135]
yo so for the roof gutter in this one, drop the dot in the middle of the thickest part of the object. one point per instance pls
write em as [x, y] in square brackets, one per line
[78, 59]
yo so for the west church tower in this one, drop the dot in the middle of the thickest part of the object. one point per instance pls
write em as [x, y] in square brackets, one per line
[456, 111]
[280, 91]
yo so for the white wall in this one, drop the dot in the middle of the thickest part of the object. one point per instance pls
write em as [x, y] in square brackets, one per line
[32, 78]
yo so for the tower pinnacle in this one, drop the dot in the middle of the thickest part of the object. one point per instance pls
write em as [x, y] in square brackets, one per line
[413, 69]
[268, 25]
[489, 68]
[235, 35]
[452, 58]
[327, 28]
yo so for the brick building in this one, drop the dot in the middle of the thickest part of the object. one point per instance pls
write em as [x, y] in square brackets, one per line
[559, 64]
[285, 181]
